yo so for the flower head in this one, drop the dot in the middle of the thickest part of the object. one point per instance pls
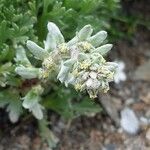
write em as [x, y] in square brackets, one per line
[79, 62]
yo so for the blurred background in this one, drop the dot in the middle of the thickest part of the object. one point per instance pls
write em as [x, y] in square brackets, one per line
[78, 122]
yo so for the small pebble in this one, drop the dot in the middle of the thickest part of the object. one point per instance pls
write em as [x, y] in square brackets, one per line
[129, 121]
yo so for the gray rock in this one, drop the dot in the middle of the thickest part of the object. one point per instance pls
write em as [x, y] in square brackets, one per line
[129, 121]
[143, 72]
[112, 107]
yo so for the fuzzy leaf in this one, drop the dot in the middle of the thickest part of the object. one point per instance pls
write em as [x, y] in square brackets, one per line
[31, 101]
[11, 99]
[63, 73]
[98, 38]
[85, 32]
[82, 56]
[15, 109]
[27, 73]
[103, 50]
[50, 43]
[21, 56]
[46, 134]
[37, 111]
[55, 32]
[36, 50]
[73, 41]
[69, 62]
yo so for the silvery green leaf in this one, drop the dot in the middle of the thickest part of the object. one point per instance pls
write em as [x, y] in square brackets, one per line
[55, 32]
[27, 73]
[69, 62]
[30, 100]
[50, 43]
[96, 57]
[69, 80]
[103, 50]
[63, 73]
[21, 56]
[112, 66]
[73, 41]
[14, 116]
[2, 82]
[47, 134]
[10, 99]
[94, 67]
[37, 111]
[6, 68]
[32, 97]
[82, 56]
[129, 121]
[85, 32]
[15, 109]
[98, 38]
[36, 50]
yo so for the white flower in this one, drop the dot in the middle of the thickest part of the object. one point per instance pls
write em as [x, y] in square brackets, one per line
[120, 74]
[92, 84]
[93, 75]
[79, 62]
[85, 76]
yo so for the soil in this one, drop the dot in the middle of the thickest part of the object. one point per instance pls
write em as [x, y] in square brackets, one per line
[101, 132]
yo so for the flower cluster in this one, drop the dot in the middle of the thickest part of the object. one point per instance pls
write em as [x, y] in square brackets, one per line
[78, 62]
